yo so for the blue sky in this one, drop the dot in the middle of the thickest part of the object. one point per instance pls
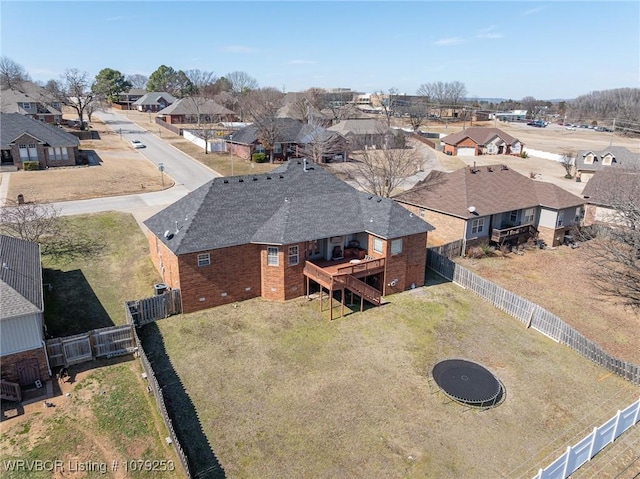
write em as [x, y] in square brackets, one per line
[511, 49]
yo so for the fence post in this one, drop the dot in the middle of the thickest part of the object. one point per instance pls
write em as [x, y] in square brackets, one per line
[593, 441]
[533, 308]
[566, 463]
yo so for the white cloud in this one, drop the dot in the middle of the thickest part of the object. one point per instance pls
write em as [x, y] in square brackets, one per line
[489, 32]
[238, 49]
[444, 42]
[531, 11]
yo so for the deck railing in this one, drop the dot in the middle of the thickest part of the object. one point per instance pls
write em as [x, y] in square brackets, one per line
[499, 235]
[10, 391]
[366, 266]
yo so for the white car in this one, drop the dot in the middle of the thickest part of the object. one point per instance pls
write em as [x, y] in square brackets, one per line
[137, 144]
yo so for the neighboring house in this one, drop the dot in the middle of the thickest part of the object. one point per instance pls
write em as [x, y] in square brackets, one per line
[608, 189]
[511, 115]
[588, 162]
[153, 102]
[294, 107]
[30, 100]
[187, 110]
[476, 141]
[126, 99]
[24, 139]
[271, 235]
[492, 203]
[362, 133]
[22, 347]
[291, 138]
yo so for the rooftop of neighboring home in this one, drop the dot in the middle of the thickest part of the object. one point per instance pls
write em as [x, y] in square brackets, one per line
[613, 186]
[12, 100]
[479, 135]
[360, 126]
[153, 97]
[621, 157]
[296, 202]
[288, 130]
[194, 106]
[20, 277]
[13, 125]
[489, 189]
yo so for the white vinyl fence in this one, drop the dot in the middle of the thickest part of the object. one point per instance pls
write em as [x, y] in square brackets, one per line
[214, 144]
[584, 450]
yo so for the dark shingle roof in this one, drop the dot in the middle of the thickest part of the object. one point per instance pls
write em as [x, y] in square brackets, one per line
[12, 125]
[623, 157]
[152, 98]
[285, 206]
[491, 190]
[613, 186]
[289, 130]
[479, 135]
[191, 106]
[20, 277]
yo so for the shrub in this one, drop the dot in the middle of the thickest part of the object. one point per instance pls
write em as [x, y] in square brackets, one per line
[483, 250]
[568, 176]
[524, 154]
[258, 157]
[30, 165]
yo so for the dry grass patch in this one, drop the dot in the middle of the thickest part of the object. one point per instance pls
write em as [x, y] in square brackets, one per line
[282, 392]
[559, 280]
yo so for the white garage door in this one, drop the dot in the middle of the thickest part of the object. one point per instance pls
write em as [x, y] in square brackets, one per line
[466, 151]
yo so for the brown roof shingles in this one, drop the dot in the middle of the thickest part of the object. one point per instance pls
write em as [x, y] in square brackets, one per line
[479, 135]
[490, 190]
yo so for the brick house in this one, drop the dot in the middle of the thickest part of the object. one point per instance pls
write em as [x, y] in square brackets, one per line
[493, 204]
[22, 347]
[588, 162]
[187, 110]
[609, 189]
[477, 141]
[30, 100]
[153, 102]
[275, 235]
[25, 139]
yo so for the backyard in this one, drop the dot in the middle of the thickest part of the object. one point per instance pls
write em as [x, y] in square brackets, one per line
[280, 391]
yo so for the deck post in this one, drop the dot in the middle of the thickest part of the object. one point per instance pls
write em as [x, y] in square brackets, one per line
[331, 301]
[308, 290]
[361, 303]
[342, 303]
[321, 294]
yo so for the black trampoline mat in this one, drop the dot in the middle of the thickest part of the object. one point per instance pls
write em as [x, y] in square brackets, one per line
[466, 381]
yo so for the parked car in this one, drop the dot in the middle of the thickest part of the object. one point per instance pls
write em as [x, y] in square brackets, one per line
[137, 144]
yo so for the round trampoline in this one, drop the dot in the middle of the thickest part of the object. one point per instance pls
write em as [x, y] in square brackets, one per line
[468, 383]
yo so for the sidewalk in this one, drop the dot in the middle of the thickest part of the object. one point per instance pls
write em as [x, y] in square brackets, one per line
[4, 187]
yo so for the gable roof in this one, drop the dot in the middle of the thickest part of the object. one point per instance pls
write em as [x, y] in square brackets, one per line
[289, 130]
[491, 190]
[10, 98]
[152, 98]
[624, 158]
[359, 126]
[187, 106]
[13, 125]
[479, 135]
[20, 277]
[611, 186]
[288, 205]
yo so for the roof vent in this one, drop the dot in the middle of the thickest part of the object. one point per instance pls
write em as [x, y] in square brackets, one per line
[370, 197]
[474, 169]
[255, 179]
[268, 177]
[378, 200]
[504, 167]
[240, 180]
[226, 181]
[281, 177]
[490, 169]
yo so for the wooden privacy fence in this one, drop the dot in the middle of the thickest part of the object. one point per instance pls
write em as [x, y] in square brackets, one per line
[532, 315]
[155, 388]
[148, 310]
[584, 450]
[449, 250]
[104, 342]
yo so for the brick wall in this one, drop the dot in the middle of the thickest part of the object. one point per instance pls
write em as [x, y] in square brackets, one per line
[447, 228]
[552, 236]
[406, 267]
[589, 214]
[43, 154]
[10, 363]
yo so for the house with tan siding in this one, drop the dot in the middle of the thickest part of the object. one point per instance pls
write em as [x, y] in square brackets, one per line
[492, 204]
[279, 234]
[22, 348]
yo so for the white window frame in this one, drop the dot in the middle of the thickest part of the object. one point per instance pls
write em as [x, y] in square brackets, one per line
[560, 218]
[513, 216]
[377, 245]
[396, 246]
[272, 256]
[588, 160]
[294, 255]
[607, 160]
[204, 259]
[529, 215]
[477, 225]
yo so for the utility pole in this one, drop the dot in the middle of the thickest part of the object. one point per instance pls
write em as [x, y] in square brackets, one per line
[613, 130]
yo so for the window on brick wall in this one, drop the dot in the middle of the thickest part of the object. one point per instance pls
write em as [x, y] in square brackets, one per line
[377, 245]
[272, 256]
[294, 256]
[396, 246]
[204, 259]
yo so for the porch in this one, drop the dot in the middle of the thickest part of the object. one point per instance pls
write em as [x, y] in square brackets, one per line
[347, 275]
[503, 235]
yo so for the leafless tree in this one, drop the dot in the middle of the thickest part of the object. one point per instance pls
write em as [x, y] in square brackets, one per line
[436, 93]
[417, 110]
[202, 81]
[137, 80]
[41, 223]
[12, 73]
[382, 170]
[262, 107]
[567, 164]
[388, 103]
[613, 245]
[321, 143]
[240, 84]
[74, 91]
[602, 107]
[99, 104]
